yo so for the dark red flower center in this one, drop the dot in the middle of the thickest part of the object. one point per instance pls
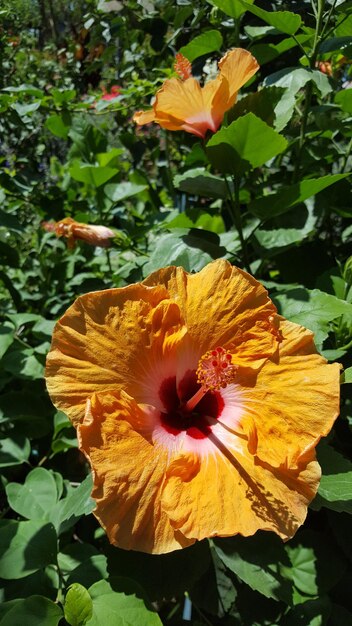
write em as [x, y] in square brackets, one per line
[176, 418]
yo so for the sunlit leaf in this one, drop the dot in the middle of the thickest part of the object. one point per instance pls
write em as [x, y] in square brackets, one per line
[209, 41]
[78, 608]
[123, 608]
[36, 497]
[247, 143]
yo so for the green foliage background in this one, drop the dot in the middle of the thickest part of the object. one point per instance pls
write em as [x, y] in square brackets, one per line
[270, 191]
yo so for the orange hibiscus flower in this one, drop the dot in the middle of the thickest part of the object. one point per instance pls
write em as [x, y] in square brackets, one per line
[72, 230]
[197, 406]
[182, 104]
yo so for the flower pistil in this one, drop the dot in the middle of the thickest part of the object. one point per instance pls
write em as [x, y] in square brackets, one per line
[215, 371]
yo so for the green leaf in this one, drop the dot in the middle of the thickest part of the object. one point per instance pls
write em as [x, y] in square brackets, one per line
[273, 240]
[43, 328]
[25, 547]
[36, 497]
[90, 571]
[209, 41]
[45, 582]
[233, 8]
[77, 503]
[111, 158]
[260, 561]
[278, 203]
[225, 586]
[7, 335]
[25, 109]
[316, 565]
[32, 611]
[189, 248]
[195, 218]
[335, 489]
[199, 182]
[121, 191]
[309, 613]
[9, 221]
[313, 309]
[59, 125]
[284, 21]
[78, 608]
[93, 175]
[347, 375]
[344, 99]
[21, 319]
[8, 255]
[29, 410]
[25, 89]
[14, 450]
[62, 96]
[120, 608]
[294, 79]
[165, 575]
[23, 362]
[267, 52]
[334, 44]
[75, 554]
[247, 143]
[262, 104]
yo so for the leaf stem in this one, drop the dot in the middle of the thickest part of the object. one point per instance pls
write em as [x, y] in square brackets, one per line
[235, 209]
[309, 89]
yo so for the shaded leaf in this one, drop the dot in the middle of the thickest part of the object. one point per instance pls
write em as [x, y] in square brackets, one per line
[32, 611]
[199, 182]
[164, 575]
[25, 547]
[262, 104]
[310, 613]
[335, 43]
[260, 561]
[14, 450]
[335, 489]
[278, 203]
[90, 571]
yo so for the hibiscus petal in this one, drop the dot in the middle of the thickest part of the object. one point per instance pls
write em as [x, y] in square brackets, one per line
[128, 472]
[294, 401]
[228, 301]
[108, 340]
[230, 492]
[144, 117]
[179, 105]
[236, 67]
